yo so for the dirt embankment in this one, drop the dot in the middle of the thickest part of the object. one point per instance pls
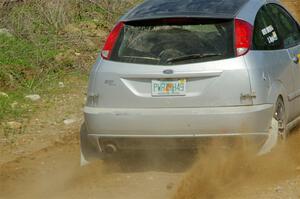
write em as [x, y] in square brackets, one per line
[294, 7]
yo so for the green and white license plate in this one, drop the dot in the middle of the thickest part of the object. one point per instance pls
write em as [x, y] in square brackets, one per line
[169, 87]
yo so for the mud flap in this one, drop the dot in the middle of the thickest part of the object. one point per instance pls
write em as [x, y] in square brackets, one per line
[87, 152]
[89, 148]
[83, 161]
[272, 139]
[83, 146]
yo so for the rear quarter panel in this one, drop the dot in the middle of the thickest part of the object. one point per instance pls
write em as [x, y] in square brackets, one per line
[270, 76]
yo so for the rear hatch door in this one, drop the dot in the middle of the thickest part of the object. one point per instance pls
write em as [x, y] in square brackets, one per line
[173, 63]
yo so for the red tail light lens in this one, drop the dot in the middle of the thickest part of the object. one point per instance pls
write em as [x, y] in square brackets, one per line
[111, 41]
[243, 37]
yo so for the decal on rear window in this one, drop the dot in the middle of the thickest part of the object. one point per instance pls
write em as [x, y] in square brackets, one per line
[267, 30]
[272, 38]
[270, 34]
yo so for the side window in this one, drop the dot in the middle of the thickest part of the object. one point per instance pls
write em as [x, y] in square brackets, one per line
[265, 35]
[286, 25]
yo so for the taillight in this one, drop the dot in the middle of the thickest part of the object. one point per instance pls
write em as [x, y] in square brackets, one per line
[243, 37]
[111, 41]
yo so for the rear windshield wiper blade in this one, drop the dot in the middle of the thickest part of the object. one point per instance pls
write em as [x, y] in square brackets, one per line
[192, 56]
[138, 57]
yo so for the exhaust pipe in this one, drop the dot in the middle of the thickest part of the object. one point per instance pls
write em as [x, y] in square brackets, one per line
[110, 148]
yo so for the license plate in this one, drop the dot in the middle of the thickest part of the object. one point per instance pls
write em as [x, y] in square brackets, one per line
[169, 87]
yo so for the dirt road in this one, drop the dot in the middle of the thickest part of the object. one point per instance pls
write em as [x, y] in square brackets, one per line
[54, 173]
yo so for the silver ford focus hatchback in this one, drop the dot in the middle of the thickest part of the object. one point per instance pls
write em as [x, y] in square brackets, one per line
[174, 72]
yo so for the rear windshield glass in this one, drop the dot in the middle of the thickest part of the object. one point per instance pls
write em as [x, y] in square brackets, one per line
[169, 43]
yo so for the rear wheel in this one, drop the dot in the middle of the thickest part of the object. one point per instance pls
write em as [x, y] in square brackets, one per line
[280, 117]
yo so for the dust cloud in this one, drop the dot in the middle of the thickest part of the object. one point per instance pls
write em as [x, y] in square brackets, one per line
[223, 173]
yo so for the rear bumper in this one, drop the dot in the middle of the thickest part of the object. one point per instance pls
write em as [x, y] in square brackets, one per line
[171, 128]
[178, 122]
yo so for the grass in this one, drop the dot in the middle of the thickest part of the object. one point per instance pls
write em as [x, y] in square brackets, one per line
[51, 41]
[23, 71]
[12, 106]
[16, 52]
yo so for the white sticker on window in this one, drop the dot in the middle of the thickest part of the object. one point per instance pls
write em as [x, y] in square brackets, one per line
[267, 30]
[272, 38]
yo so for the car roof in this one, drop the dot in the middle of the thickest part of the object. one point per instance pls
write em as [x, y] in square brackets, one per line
[152, 9]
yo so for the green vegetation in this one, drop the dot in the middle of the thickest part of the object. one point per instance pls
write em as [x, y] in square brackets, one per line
[10, 106]
[49, 41]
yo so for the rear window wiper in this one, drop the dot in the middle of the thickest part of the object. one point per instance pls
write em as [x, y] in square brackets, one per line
[192, 56]
[138, 57]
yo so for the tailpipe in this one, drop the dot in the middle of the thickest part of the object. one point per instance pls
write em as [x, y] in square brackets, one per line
[110, 148]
